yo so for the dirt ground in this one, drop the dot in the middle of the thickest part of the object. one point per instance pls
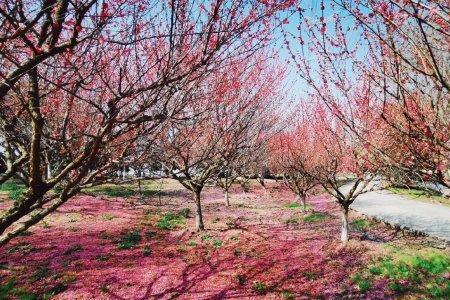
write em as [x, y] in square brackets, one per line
[259, 248]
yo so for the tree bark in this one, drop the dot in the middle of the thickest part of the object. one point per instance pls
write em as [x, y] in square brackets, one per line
[261, 180]
[48, 165]
[6, 237]
[344, 225]
[199, 226]
[303, 202]
[227, 197]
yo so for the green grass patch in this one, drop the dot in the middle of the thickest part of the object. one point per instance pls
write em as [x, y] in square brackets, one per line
[311, 275]
[421, 195]
[206, 238]
[10, 291]
[108, 217]
[129, 239]
[113, 191]
[217, 243]
[22, 247]
[146, 251]
[172, 220]
[148, 189]
[14, 189]
[419, 272]
[287, 295]
[315, 217]
[58, 189]
[259, 287]
[364, 284]
[11, 186]
[104, 257]
[292, 221]
[40, 273]
[191, 243]
[297, 205]
[360, 224]
[74, 249]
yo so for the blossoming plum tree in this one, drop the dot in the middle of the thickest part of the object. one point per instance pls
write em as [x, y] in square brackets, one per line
[292, 155]
[397, 51]
[222, 122]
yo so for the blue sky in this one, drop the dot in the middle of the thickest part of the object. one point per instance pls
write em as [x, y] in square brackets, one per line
[297, 88]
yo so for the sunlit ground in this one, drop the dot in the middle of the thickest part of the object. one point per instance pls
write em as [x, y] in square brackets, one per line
[115, 244]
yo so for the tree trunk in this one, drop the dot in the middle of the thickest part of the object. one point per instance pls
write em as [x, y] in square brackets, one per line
[303, 202]
[49, 167]
[199, 226]
[140, 189]
[227, 197]
[261, 180]
[344, 225]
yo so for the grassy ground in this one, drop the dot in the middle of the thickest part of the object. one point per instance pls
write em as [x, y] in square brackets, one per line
[149, 188]
[421, 195]
[262, 247]
[12, 190]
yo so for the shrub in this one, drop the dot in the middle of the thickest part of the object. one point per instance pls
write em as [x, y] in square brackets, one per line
[439, 292]
[129, 239]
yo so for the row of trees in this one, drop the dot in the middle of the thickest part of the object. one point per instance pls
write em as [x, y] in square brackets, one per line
[318, 150]
[379, 71]
[391, 57]
[88, 85]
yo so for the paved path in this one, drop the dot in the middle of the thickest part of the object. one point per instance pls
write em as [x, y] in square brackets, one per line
[433, 219]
